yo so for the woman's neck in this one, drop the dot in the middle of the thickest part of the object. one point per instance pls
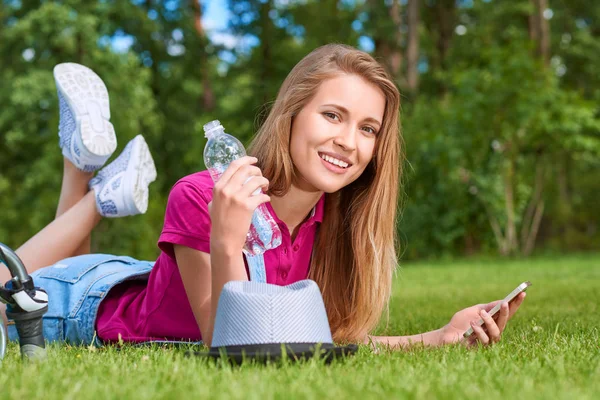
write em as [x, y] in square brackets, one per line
[295, 206]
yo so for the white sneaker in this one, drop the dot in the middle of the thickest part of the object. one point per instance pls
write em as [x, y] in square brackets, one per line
[86, 136]
[121, 187]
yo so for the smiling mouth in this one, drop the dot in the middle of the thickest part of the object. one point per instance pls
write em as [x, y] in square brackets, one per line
[334, 161]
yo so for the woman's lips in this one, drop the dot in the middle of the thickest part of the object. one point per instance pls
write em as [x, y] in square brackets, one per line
[333, 168]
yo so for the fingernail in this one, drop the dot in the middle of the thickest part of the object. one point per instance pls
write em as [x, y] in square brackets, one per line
[484, 313]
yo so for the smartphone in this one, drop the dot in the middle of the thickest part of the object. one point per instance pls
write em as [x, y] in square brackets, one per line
[511, 296]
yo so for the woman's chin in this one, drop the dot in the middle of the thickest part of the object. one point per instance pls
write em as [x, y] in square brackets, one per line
[325, 182]
[328, 185]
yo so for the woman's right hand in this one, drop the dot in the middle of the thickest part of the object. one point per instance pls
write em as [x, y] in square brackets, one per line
[233, 204]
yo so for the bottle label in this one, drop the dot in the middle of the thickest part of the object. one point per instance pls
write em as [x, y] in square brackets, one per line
[256, 266]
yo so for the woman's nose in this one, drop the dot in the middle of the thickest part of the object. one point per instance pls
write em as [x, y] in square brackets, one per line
[346, 139]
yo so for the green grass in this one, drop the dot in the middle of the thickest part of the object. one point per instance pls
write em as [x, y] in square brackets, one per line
[549, 350]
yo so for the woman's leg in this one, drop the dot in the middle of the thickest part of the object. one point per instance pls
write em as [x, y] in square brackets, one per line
[69, 234]
[58, 240]
[119, 190]
[62, 237]
[74, 188]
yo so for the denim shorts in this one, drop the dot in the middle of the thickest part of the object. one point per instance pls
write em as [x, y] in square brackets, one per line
[75, 288]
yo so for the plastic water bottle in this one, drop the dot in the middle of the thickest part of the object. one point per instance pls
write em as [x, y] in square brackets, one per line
[220, 150]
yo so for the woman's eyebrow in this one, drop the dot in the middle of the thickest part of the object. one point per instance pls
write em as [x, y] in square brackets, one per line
[344, 110]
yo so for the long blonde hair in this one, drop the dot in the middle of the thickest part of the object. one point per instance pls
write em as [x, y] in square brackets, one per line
[354, 255]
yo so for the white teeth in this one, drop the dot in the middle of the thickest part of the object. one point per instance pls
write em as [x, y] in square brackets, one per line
[334, 161]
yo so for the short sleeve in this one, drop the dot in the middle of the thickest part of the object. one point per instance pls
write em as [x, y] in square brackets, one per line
[187, 220]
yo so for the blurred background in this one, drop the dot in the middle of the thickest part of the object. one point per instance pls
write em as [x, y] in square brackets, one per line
[500, 107]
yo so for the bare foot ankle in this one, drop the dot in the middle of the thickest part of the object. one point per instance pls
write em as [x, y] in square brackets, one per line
[72, 173]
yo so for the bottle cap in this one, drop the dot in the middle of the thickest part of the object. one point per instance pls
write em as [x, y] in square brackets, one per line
[212, 127]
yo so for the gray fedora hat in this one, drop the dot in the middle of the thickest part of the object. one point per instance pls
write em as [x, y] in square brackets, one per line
[261, 321]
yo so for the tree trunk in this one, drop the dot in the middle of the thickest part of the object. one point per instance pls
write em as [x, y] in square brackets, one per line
[446, 16]
[208, 96]
[544, 47]
[539, 33]
[534, 23]
[537, 219]
[535, 210]
[564, 194]
[497, 229]
[509, 199]
[388, 45]
[80, 48]
[539, 30]
[395, 57]
[412, 51]
[153, 55]
[266, 48]
[197, 7]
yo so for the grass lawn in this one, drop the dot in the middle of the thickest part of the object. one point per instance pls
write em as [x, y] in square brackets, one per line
[551, 349]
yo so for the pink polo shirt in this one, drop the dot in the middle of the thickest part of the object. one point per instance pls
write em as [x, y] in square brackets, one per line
[159, 309]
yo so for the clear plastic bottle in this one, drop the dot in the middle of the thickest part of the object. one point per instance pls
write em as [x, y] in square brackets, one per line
[220, 150]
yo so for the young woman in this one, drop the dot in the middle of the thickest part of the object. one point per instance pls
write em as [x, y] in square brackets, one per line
[328, 158]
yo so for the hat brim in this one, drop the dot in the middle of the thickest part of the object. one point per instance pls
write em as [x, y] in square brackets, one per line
[275, 351]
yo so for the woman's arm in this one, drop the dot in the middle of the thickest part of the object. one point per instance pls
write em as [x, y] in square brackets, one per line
[196, 269]
[489, 333]
[432, 338]
[226, 266]
[231, 209]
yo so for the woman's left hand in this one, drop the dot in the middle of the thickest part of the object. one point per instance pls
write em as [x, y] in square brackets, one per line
[487, 334]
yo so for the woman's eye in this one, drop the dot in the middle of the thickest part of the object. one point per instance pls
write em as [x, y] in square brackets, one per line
[370, 130]
[330, 115]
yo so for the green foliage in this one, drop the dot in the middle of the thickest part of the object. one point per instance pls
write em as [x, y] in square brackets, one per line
[488, 116]
[502, 117]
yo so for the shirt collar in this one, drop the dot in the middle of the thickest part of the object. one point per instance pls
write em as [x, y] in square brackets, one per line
[318, 210]
[316, 215]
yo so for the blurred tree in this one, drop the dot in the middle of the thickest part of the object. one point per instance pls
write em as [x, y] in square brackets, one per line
[502, 139]
[208, 97]
[575, 43]
[412, 50]
[505, 120]
[440, 20]
[386, 28]
[182, 63]
[539, 29]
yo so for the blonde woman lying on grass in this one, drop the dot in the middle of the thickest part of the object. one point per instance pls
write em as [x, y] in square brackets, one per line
[328, 159]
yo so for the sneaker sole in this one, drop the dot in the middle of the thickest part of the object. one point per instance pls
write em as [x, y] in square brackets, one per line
[140, 179]
[87, 96]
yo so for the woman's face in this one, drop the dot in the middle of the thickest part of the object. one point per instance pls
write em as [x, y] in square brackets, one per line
[333, 136]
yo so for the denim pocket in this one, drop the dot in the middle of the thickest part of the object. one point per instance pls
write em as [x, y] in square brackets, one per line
[71, 270]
